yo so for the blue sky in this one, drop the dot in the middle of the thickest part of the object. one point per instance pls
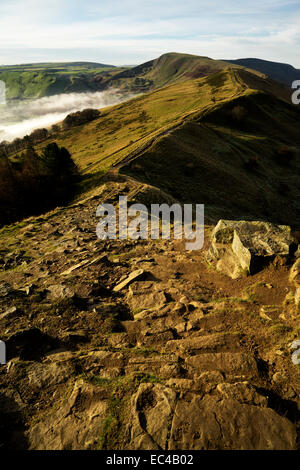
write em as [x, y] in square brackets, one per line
[134, 31]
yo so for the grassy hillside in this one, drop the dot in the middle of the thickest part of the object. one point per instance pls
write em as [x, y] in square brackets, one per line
[62, 67]
[243, 165]
[283, 73]
[238, 170]
[38, 80]
[165, 70]
[125, 128]
[44, 79]
[186, 140]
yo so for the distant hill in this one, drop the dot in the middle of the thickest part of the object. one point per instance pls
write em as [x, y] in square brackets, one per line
[283, 73]
[55, 66]
[46, 79]
[169, 68]
[31, 81]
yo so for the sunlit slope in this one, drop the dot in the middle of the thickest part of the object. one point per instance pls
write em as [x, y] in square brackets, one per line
[169, 68]
[239, 168]
[37, 80]
[125, 128]
[45, 79]
[284, 73]
[186, 140]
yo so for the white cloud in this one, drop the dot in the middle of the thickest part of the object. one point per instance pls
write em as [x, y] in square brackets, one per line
[19, 119]
[127, 31]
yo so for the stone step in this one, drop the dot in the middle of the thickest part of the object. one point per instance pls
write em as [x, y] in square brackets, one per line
[232, 364]
[206, 343]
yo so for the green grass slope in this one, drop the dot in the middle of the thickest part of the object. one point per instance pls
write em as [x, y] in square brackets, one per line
[165, 70]
[240, 169]
[38, 80]
[44, 79]
[283, 73]
[186, 140]
[125, 128]
[62, 67]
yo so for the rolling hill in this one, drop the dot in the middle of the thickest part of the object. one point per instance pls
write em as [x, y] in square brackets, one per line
[283, 73]
[45, 79]
[165, 70]
[242, 167]
[31, 81]
[62, 67]
[38, 80]
[230, 140]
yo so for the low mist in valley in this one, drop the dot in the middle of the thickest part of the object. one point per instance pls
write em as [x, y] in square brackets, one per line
[19, 118]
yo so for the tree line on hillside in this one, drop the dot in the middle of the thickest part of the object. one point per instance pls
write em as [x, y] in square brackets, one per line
[80, 117]
[35, 183]
[39, 135]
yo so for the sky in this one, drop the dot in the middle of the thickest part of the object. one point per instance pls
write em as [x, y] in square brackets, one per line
[128, 32]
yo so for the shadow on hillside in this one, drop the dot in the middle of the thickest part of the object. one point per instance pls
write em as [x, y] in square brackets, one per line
[285, 408]
[30, 344]
[12, 427]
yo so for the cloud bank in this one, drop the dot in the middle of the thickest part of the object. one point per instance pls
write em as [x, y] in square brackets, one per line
[21, 118]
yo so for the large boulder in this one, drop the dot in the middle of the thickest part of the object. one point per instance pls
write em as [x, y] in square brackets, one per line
[295, 274]
[240, 247]
[295, 280]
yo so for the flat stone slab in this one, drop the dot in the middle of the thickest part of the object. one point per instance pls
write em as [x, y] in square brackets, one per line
[134, 276]
[227, 424]
[145, 299]
[230, 363]
[203, 343]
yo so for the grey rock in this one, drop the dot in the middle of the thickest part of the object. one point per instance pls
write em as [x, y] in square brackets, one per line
[59, 291]
[237, 247]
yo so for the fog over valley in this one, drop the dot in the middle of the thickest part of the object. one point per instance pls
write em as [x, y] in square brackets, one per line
[19, 118]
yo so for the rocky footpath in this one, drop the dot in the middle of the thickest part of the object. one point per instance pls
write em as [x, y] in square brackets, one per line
[141, 344]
